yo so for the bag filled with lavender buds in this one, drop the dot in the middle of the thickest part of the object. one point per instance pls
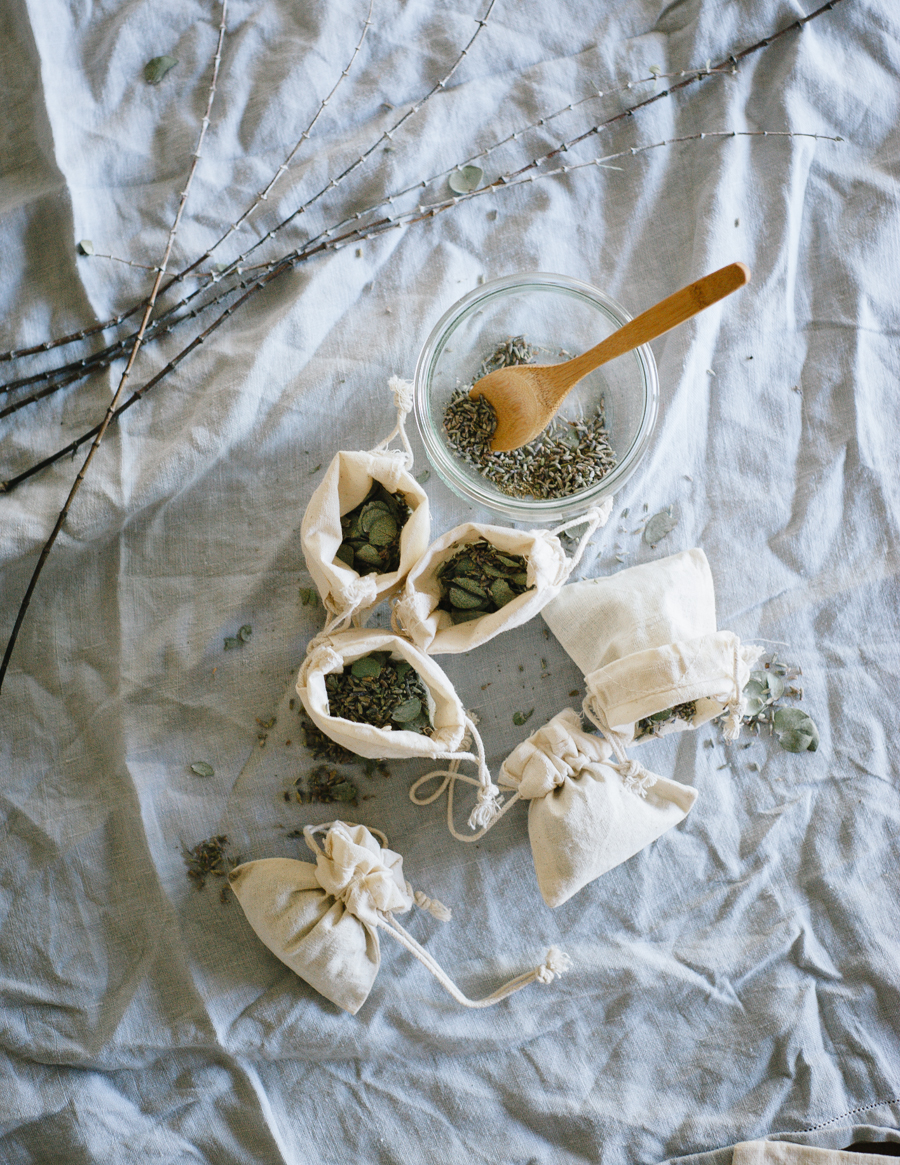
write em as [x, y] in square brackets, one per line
[379, 696]
[366, 524]
[476, 581]
[323, 920]
[653, 659]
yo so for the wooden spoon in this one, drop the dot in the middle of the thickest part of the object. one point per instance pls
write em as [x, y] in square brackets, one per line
[527, 396]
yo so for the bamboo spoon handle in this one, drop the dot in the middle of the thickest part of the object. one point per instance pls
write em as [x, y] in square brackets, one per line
[657, 320]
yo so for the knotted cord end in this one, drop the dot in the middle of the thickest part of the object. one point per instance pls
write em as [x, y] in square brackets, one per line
[635, 777]
[487, 807]
[556, 964]
[435, 908]
[731, 726]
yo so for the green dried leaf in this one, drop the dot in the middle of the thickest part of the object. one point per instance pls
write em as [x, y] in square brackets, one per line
[85, 247]
[659, 526]
[231, 641]
[309, 596]
[246, 633]
[202, 769]
[520, 718]
[793, 741]
[501, 592]
[403, 667]
[366, 666]
[462, 600]
[754, 706]
[408, 710]
[383, 531]
[756, 689]
[775, 685]
[422, 477]
[345, 554]
[470, 585]
[458, 616]
[466, 179]
[369, 555]
[155, 70]
[795, 730]
[342, 791]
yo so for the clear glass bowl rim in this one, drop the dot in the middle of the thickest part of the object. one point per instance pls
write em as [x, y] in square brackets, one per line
[532, 510]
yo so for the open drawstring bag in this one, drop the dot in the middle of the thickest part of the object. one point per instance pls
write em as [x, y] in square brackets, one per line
[329, 654]
[323, 920]
[347, 594]
[653, 659]
[588, 811]
[418, 614]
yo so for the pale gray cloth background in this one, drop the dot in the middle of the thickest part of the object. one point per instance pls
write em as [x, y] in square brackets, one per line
[740, 978]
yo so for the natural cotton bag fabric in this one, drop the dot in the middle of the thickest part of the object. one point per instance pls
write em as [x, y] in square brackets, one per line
[646, 640]
[345, 593]
[584, 816]
[322, 920]
[328, 654]
[432, 629]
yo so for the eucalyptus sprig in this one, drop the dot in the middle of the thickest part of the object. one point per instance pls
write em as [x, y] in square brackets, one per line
[767, 687]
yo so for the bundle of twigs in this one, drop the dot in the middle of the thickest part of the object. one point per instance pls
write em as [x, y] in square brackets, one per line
[228, 286]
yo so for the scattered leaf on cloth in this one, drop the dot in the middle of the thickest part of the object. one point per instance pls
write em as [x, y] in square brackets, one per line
[202, 769]
[466, 179]
[659, 526]
[520, 718]
[155, 70]
[85, 247]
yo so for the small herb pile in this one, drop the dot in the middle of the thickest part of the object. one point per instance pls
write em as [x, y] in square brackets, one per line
[651, 725]
[569, 456]
[326, 785]
[479, 579]
[209, 858]
[794, 729]
[383, 692]
[372, 530]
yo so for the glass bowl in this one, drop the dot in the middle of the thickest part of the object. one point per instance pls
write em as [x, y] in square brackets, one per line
[563, 317]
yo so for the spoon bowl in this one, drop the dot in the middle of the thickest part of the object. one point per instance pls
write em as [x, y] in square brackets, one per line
[526, 397]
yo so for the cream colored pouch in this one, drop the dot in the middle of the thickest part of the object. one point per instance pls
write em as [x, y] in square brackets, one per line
[350, 591]
[425, 614]
[323, 920]
[653, 659]
[450, 727]
[585, 814]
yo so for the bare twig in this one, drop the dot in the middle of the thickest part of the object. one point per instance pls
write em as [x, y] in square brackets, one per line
[148, 310]
[360, 234]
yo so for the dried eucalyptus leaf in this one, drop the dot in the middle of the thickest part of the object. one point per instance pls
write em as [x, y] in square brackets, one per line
[366, 666]
[466, 179]
[519, 718]
[342, 791]
[754, 706]
[659, 526]
[383, 531]
[85, 247]
[459, 616]
[155, 70]
[793, 741]
[345, 554]
[501, 592]
[231, 641]
[369, 555]
[463, 600]
[470, 585]
[755, 689]
[246, 633]
[202, 769]
[309, 596]
[408, 710]
[775, 685]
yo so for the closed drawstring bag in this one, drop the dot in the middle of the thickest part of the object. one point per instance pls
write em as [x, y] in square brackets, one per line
[431, 628]
[586, 812]
[323, 920]
[328, 654]
[647, 642]
[347, 594]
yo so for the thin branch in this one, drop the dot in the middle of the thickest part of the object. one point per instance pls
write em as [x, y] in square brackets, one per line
[76, 485]
[360, 234]
[371, 230]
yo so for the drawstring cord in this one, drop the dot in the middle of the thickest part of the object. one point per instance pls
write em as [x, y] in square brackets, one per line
[634, 776]
[403, 402]
[555, 964]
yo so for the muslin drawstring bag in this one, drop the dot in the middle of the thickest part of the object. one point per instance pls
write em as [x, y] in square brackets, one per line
[347, 594]
[328, 654]
[647, 642]
[418, 615]
[585, 814]
[323, 920]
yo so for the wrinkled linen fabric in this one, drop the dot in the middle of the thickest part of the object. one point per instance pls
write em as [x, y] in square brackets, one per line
[738, 979]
